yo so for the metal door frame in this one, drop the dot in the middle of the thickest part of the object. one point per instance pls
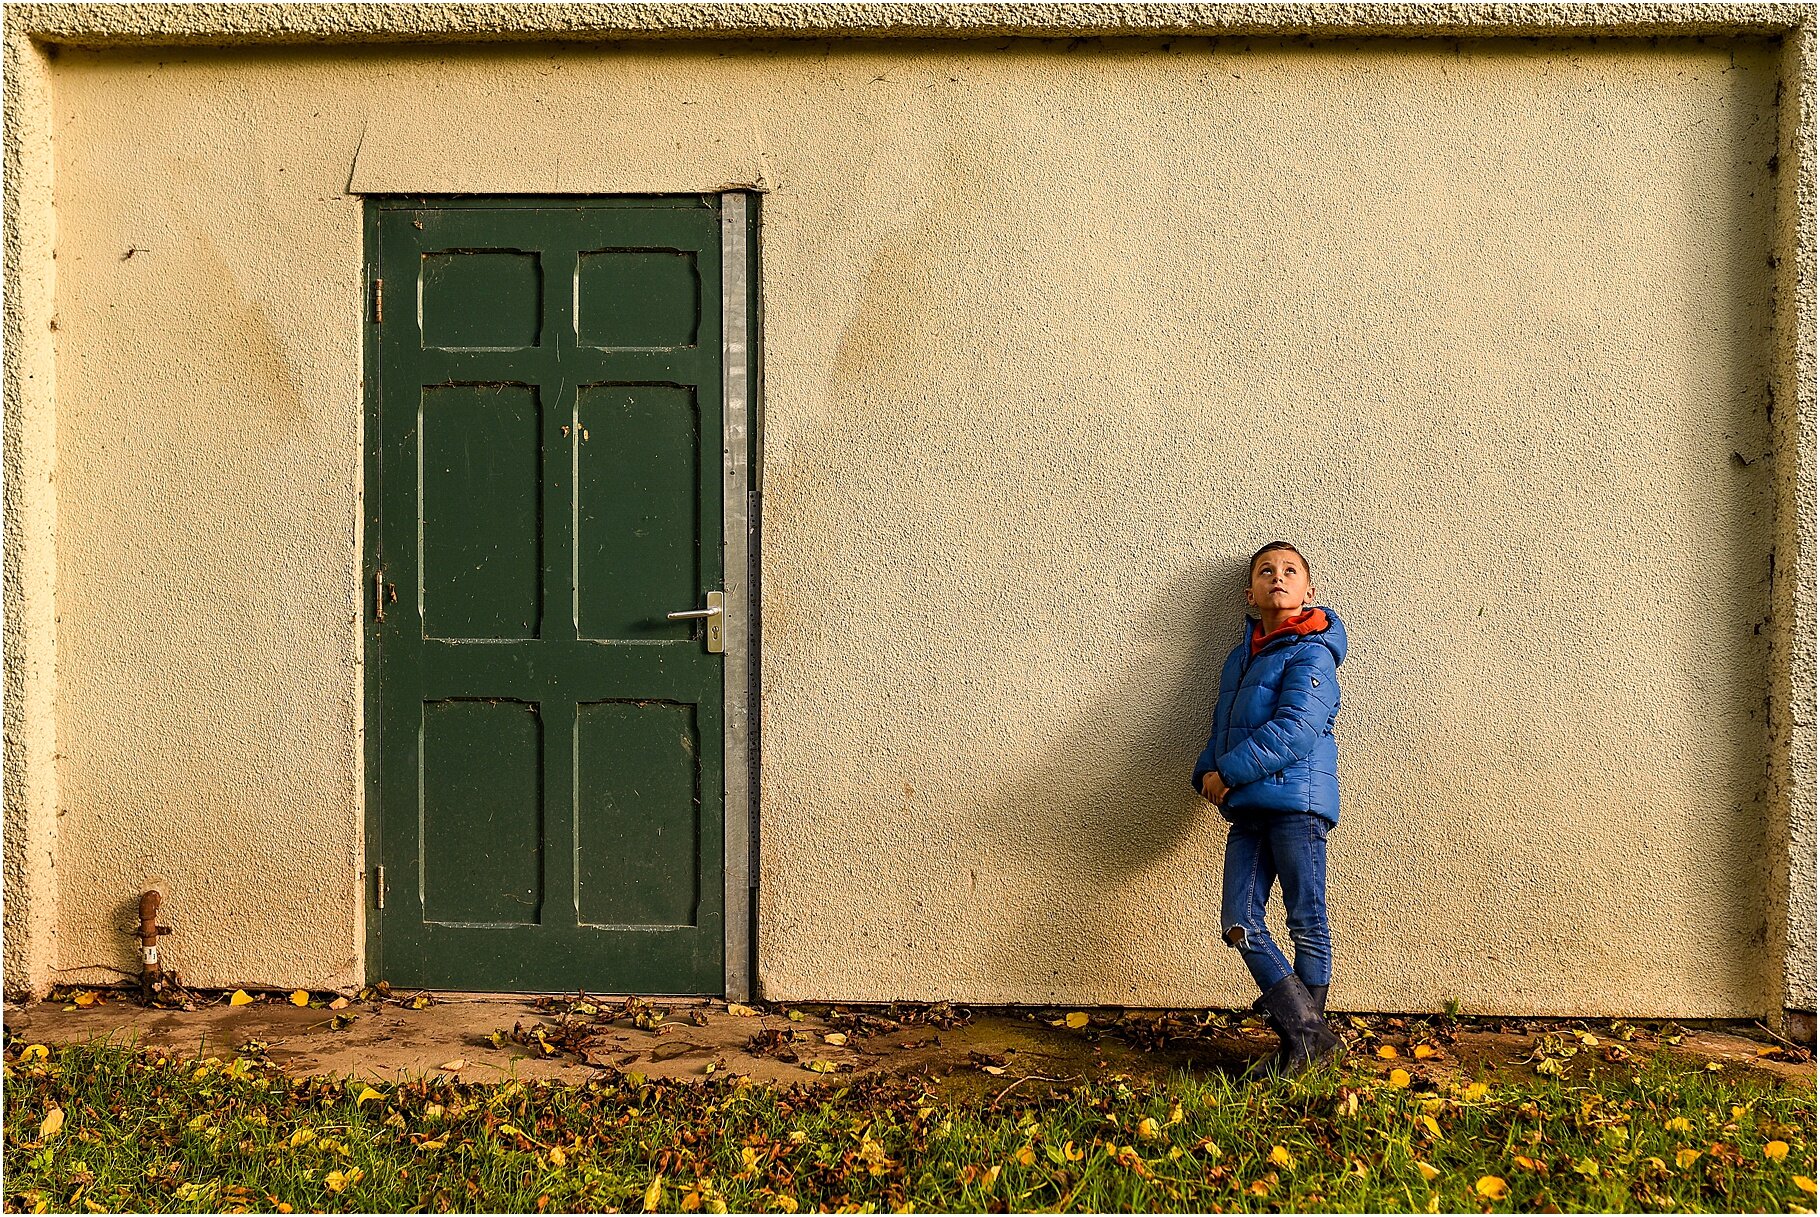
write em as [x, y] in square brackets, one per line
[739, 358]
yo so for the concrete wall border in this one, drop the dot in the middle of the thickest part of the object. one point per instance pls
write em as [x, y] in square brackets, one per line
[201, 24]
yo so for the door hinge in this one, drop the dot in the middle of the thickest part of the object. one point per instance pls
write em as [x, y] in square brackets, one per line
[383, 594]
[379, 887]
[378, 301]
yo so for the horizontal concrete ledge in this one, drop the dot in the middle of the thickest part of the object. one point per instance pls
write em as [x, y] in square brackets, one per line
[98, 25]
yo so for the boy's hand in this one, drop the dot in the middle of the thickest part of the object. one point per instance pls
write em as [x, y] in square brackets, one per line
[1213, 788]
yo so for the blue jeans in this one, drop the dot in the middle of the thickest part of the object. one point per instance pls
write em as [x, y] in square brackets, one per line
[1263, 847]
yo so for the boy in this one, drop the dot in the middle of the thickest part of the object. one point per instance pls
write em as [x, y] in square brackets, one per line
[1271, 766]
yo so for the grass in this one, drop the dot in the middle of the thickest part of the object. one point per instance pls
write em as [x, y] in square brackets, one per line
[156, 1131]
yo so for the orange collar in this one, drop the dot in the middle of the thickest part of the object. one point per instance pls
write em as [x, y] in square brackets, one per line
[1310, 621]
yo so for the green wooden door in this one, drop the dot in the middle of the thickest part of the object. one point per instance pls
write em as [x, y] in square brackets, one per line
[547, 478]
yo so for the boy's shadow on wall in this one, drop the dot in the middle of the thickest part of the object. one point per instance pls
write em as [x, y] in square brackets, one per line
[1121, 858]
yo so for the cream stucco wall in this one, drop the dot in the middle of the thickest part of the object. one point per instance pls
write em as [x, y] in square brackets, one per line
[1054, 334]
[30, 765]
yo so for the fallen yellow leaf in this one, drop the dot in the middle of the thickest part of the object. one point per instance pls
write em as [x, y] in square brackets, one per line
[557, 1157]
[1528, 1164]
[1076, 1020]
[837, 1038]
[828, 1067]
[994, 1070]
[1685, 1158]
[35, 1052]
[1433, 1128]
[1148, 1129]
[1423, 1051]
[1805, 1184]
[1387, 1051]
[53, 1123]
[437, 1143]
[454, 1066]
[1071, 1153]
[1678, 1124]
[734, 1007]
[1281, 1156]
[1399, 1077]
[1026, 1156]
[1475, 1091]
[335, 1181]
[1428, 1172]
[655, 1193]
[301, 997]
[241, 998]
[367, 1092]
[1491, 1187]
[84, 999]
[1775, 1151]
[340, 1003]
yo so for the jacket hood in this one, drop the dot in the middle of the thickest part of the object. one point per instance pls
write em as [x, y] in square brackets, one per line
[1333, 637]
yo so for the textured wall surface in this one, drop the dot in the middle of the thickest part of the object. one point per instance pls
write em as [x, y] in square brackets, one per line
[275, 23]
[1054, 335]
[1792, 790]
[31, 519]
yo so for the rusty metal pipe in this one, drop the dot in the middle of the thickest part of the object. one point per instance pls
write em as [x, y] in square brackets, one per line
[151, 971]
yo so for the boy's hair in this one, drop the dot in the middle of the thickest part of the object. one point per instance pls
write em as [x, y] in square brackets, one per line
[1252, 568]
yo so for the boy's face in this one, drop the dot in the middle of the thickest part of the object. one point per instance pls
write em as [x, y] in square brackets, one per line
[1279, 582]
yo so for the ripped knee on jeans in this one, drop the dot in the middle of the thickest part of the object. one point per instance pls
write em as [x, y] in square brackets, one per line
[1235, 937]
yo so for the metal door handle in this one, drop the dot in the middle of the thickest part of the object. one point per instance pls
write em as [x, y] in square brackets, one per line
[712, 614]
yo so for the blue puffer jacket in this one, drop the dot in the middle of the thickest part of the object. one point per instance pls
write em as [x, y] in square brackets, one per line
[1272, 738]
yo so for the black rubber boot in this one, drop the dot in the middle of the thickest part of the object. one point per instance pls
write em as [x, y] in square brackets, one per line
[1265, 1066]
[1291, 1009]
[1318, 992]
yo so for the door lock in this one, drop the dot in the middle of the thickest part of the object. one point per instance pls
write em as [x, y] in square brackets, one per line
[713, 614]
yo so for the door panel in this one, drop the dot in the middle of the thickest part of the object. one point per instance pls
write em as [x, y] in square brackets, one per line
[548, 476]
[481, 506]
[482, 813]
[639, 457]
[635, 793]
